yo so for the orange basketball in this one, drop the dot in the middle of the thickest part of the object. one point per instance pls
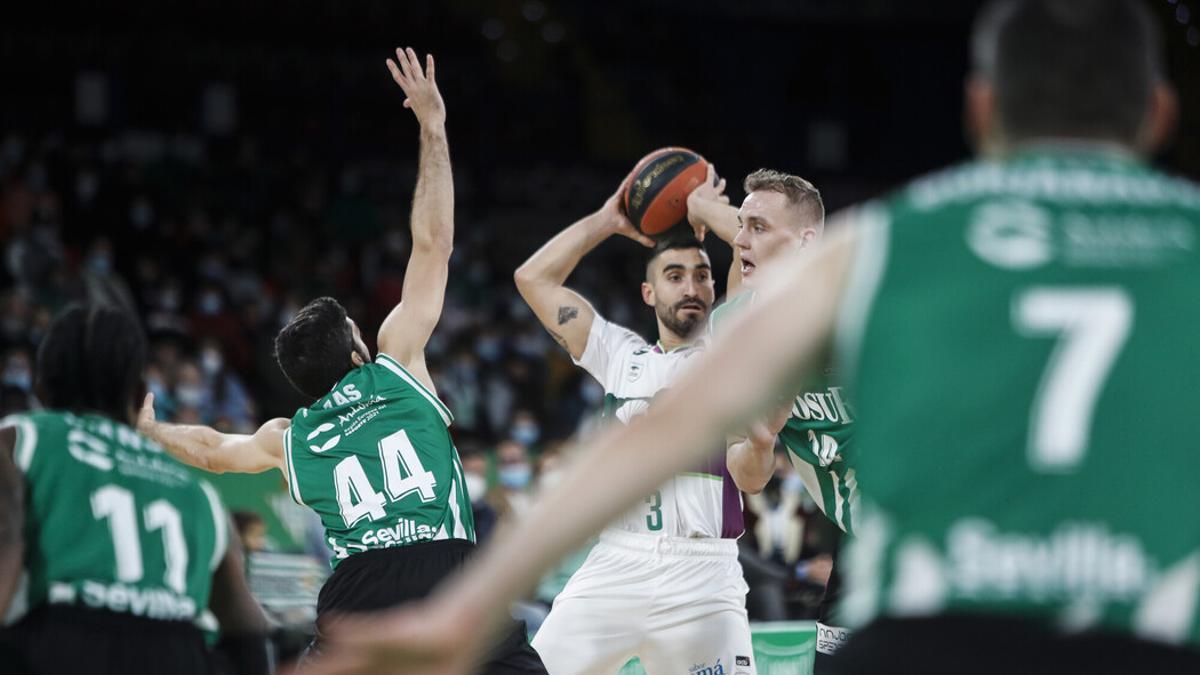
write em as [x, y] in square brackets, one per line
[656, 195]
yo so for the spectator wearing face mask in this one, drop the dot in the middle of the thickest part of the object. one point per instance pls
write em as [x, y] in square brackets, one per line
[515, 473]
[475, 469]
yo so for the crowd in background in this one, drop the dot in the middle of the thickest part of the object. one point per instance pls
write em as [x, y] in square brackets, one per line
[216, 248]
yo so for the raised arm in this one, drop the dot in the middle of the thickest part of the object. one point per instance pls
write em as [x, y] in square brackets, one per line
[408, 326]
[709, 209]
[726, 387]
[208, 449]
[566, 314]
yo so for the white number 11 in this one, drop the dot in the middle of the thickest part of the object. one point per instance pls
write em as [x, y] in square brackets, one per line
[1091, 325]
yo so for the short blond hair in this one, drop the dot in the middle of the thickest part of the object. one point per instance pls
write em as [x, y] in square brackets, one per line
[801, 194]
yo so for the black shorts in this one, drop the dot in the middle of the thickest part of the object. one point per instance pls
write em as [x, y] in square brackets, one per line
[62, 640]
[952, 645]
[383, 578]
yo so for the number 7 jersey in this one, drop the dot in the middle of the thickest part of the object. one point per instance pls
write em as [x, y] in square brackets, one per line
[375, 460]
[1023, 340]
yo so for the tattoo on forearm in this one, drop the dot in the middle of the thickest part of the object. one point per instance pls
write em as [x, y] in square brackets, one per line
[565, 314]
[559, 339]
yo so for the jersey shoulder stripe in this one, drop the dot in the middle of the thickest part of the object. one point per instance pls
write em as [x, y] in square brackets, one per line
[290, 463]
[400, 371]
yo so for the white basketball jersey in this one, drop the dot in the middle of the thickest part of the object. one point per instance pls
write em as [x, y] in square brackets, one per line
[700, 503]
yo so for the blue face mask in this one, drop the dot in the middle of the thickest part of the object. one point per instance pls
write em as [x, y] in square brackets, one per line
[515, 476]
[526, 434]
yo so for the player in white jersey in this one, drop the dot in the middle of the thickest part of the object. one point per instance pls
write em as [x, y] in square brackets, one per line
[664, 583]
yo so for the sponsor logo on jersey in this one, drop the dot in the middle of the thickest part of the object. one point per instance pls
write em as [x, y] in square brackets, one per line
[742, 660]
[635, 371]
[831, 638]
[1012, 234]
[705, 669]
[327, 445]
[1076, 559]
[152, 603]
[404, 532]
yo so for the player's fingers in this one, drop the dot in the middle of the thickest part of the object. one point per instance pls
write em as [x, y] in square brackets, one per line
[415, 63]
[429, 66]
[402, 59]
[644, 240]
[408, 103]
[720, 185]
[148, 402]
[395, 71]
[710, 175]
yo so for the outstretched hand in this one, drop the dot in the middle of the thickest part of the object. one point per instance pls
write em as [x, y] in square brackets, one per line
[146, 418]
[420, 86]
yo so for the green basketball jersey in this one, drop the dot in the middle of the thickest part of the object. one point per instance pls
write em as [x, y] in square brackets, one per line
[816, 435]
[374, 459]
[112, 521]
[1022, 338]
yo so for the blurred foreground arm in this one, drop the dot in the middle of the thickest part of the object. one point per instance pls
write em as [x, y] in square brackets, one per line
[725, 388]
[407, 328]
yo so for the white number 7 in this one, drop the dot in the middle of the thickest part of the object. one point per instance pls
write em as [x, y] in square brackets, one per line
[1092, 325]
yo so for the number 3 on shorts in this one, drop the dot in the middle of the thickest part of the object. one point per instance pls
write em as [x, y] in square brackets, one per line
[654, 521]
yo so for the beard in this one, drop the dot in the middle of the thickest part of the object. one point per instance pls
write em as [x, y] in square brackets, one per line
[685, 327]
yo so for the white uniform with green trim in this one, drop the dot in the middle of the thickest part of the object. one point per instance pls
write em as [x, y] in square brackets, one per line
[664, 583]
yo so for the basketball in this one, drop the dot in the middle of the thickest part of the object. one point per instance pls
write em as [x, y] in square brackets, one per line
[656, 195]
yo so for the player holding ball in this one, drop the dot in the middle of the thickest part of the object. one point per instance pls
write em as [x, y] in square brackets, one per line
[664, 583]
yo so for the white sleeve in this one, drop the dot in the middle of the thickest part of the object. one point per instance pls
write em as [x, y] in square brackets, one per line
[608, 347]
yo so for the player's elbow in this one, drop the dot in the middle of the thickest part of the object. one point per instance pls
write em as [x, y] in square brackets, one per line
[439, 242]
[525, 278]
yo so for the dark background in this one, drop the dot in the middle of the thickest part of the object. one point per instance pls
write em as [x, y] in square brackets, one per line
[259, 151]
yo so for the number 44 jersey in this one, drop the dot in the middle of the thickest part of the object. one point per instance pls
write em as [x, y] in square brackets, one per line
[374, 459]
[1024, 342]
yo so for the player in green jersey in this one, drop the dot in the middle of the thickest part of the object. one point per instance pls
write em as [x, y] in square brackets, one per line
[110, 550]
[1026, 378]
[372, 455]
[781, 215]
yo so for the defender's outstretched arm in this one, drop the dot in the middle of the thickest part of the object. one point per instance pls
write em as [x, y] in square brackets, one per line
[408, 326]
[208, 449]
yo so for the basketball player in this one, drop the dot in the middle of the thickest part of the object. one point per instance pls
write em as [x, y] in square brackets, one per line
[663, 583]
[110, 550]
[1020, 335]
[372, 454]
[781, 215]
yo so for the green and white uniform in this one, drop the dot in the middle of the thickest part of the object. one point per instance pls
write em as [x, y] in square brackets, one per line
[817, 434]
[1022, 341]
[374, 459]
[112, 522]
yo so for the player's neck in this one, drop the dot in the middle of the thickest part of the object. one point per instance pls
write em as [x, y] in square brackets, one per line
[669, 342]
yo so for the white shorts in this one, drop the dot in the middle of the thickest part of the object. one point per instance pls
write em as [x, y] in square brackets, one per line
[677, 604]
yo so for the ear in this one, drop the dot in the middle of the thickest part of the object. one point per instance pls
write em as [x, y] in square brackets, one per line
[807, 236]
[1161, 118]
[647, 293]
[356, 358]
[979, 114]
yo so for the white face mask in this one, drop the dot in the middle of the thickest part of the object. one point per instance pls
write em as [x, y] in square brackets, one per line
[476, 486]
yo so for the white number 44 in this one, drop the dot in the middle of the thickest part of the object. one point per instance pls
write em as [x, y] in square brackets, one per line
[1091, 324]
[403, 474]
